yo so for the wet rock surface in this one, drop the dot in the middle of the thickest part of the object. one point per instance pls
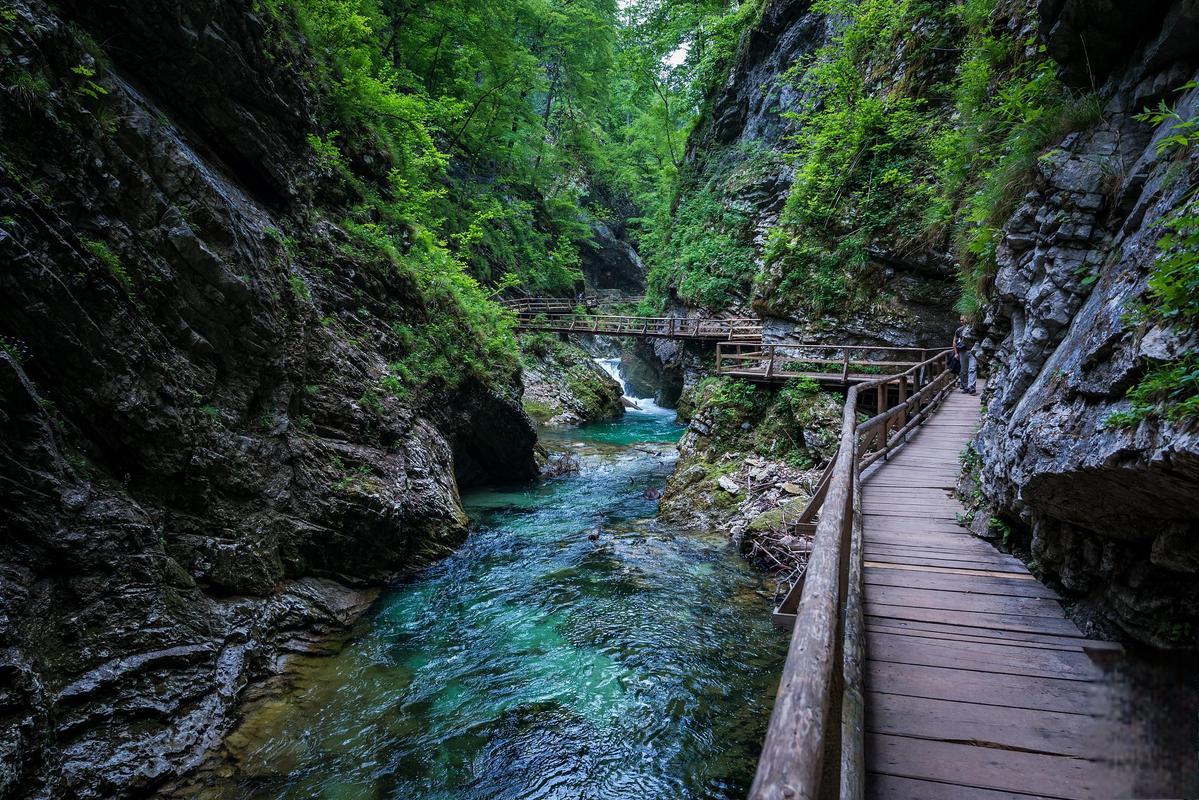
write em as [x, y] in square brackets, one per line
[195, 477]
[1109, 510]
[564, 386]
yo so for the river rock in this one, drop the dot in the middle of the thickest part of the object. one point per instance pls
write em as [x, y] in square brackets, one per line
[729, 485]
[563, 385]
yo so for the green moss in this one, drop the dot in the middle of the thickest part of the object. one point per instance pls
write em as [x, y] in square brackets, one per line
[774, 423]
[773, 519]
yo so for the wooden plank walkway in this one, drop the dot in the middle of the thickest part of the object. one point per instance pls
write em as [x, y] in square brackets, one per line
[977, 685]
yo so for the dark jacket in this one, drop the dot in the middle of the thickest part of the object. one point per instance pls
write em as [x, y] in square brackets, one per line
[963, 339]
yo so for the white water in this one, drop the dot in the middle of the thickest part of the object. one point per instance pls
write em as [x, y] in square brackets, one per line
[644, 405]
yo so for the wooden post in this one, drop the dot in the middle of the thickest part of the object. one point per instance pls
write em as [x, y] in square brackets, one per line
[853, 701]
[770, 361]
[845, 366]
[903, 399]
[719, 359]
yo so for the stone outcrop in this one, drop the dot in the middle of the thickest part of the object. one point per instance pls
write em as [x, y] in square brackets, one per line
[564, 385]
[661, 368]
[749, 457]
[610, 263]
[1110, 510]
[197, 473]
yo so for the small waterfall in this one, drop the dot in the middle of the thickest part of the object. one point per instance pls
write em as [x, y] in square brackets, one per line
[643, 404]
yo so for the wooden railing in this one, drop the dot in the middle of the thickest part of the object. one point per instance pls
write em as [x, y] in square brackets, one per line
[545, 305]
[740, 329]
[814, 745]
[846, 363]
[558, 305]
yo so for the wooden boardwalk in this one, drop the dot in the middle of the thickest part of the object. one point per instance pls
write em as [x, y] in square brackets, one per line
[976, 683]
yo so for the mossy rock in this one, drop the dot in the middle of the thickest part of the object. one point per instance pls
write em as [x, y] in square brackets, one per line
[774, 519]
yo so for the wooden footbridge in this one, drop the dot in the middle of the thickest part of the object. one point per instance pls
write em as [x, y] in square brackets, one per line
[555, 315]
[923, 662]
[740, 351]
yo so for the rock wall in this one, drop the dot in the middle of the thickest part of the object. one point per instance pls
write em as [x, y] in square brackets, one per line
[738, 151]
[196, 475]
[611, 265]
[1111, 512]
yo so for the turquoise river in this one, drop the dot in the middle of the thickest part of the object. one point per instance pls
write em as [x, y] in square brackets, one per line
[540, 661]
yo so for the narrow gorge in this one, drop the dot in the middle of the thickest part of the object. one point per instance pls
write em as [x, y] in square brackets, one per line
[418, 399]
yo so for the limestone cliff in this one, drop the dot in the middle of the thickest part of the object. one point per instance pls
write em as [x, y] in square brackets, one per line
[1110, 510]
[1064, 236]
[737, 162]
[202, 463]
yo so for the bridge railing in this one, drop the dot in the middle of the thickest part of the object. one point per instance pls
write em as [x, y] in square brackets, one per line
[792, 360]
[744, 329]
[557, 305]
[543, 305]
[814, 745]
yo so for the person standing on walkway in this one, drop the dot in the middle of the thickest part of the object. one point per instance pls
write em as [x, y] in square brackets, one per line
[963, 340]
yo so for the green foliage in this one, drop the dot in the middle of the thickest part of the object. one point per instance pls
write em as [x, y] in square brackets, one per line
[359, 479]
[299, 288]
[797, 395]
[29, 88]
[371, 402]
[515, 92]
[1170, 389]
[1184, 133]
[773, 423]
[537, 344]
[394, 217]
[880, 164]
[704, 257]
[87, 87]
[540, 412]
[1009, 110]
[15, 349]
[1174, 282]
[109, 259]
[328, 154]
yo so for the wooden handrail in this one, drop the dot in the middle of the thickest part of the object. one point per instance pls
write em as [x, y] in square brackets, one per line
[816, 726]
[783, 360]
[730, 329]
